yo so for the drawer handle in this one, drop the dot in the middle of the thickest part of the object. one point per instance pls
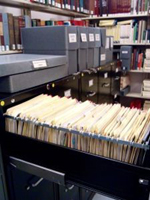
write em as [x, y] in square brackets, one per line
[87, 71]
[94, 70]
[106, 85]
[76, 74]
[91, 94]
[34, 184]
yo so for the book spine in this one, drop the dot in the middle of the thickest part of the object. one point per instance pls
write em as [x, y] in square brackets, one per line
[6, 31]
[2, 47]
[81, 5]
[16, 31]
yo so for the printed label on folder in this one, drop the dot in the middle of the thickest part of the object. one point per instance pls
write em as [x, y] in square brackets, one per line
[91, 83]
[72, 38]
[39, 64]
[83, 37]
[103, 57]
[67, 93]
[97, 37]
[91, 37]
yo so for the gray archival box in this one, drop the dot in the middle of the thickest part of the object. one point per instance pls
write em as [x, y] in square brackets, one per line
[103, 47]
[83, 48]
[97, 47]
[23, 71]
[54, 40]
[91, 47]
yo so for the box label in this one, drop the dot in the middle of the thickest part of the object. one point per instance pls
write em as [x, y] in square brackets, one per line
[83, 37]
[67, 93]
[97, 37]
[72, 38]
[91, 83]
[103, 57]
[124, 52]
[39, 64]
[91, 37]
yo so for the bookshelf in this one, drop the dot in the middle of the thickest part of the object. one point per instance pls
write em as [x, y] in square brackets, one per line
[131, 44]
[9, 52]
[42, 8]
[119, 16]
[139, 71]
[136, 95]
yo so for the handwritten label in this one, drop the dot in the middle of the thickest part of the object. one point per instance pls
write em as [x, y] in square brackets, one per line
[72, 38]
[97, 37]
[106, 75]
[83, 37]
[91, 83]
[91, 37]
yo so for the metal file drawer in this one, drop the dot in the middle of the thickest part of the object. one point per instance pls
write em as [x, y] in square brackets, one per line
[103, 98]
[89, 87]
[67, 87]
[105, 85]
[100, 174]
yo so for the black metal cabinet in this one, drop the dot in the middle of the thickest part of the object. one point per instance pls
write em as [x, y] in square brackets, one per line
[68, 87]
[24, 186]
[70, 193]
[2, 195]
[89, 86]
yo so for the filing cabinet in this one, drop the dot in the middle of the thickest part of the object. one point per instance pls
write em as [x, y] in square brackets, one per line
[24, 186]
[89, 86]
[68, 87]
[71, 193]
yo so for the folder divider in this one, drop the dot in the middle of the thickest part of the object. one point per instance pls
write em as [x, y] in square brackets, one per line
[145, 146]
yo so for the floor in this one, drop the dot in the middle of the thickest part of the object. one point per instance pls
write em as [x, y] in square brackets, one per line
[100, 197]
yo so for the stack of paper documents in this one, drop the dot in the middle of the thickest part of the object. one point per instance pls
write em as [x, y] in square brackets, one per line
[107, 130]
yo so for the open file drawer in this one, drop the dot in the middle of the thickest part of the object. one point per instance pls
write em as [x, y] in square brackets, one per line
[99, 174]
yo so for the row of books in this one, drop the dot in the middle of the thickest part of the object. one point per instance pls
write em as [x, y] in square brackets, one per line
[147, 60]
[39, 22]
[130, 31]
[84, 6]
[39, 117]
[146, 88]
[10, 31]
[115, 7]
[138, 57]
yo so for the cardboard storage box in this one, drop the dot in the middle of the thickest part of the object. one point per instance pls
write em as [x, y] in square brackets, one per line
[23, 71]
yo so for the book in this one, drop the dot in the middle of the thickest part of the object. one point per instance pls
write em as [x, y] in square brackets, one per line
[8, 29]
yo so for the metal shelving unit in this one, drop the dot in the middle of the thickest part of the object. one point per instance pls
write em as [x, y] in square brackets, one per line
[9, 52]
[119, 16]
[42, 8]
